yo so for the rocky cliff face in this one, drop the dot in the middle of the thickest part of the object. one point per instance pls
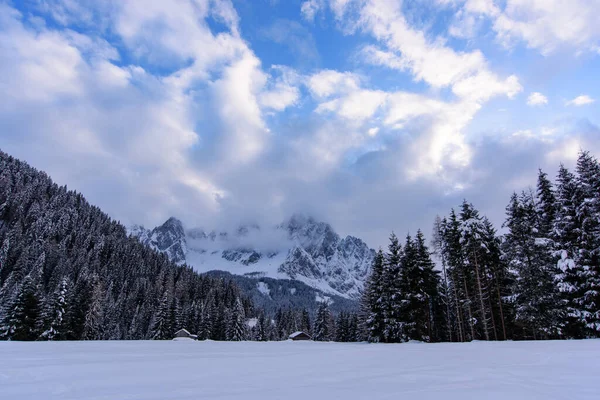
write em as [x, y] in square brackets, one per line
[301, 248]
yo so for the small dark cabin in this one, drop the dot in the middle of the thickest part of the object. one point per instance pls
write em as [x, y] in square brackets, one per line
[184, 334]
[300, 336]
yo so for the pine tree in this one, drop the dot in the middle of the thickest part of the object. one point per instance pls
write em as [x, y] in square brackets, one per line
[237, 323]
[391, 288]
[205, 328]
[94, 318]
[262, 334]
[23, 317]
[472, 239]
[438, 244]
[55, 314]
[305, 323]
[588, 215]
[545, 206]
[322, 331]
[536, 302]
[162, 327]
[567, 233]
[342, 327]
[424, 287]
[459, 277]
[374, 317]
[500, 282]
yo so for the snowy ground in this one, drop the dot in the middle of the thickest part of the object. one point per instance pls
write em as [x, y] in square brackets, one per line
[299, 370]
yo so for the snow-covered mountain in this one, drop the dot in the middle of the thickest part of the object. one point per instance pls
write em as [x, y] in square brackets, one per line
[301, 248]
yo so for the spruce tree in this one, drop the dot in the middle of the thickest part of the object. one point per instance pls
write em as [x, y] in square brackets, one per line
[571, 276]
[262, 334]
[162, 328]
[55, 314]
[236, 329]
[536, 302]
[424, 287]
[472, 234]
[373, 306]
[500, 282]
[392, 288]
[22, 321]
[588, 215]
[94, 319]
[438, 244]
[322, 331]
[305, 325]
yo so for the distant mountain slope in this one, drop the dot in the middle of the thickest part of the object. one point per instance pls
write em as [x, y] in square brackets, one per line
[301, 249]
[272, 294]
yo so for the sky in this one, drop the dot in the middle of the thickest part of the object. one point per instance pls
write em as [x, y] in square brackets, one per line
[372, 115]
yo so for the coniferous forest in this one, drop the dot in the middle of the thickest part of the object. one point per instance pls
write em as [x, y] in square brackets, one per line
[539, 280]
[70, 272]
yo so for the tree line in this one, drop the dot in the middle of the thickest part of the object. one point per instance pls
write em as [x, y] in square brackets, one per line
[539, 280]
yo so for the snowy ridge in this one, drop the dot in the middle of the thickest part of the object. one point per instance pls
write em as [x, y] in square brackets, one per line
[301, 249]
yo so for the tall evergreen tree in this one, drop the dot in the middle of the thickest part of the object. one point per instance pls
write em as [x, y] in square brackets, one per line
[21, 322]
[372, 303]
[392, 289]
[162, 328]
[472, 241]
[438, 244]
[425, 282]
[588, 215]
[567, 233]
[237, 329]
[537, 306]
[55, 314]
[322, 326]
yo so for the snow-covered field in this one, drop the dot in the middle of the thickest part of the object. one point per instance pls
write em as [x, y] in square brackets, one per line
[299, 370]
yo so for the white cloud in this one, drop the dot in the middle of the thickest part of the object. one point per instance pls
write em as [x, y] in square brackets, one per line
[582, 100]
[183, 124]
[139, 131]
[373, 131]
[328, 82]
[440, 144]
[310, 8]
[358, 105]
[239, 110]
[536, 99]
[545, 25]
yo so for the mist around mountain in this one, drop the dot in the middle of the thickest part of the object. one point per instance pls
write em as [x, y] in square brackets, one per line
[300, 248]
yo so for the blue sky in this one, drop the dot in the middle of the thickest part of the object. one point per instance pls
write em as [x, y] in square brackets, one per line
[374, 115]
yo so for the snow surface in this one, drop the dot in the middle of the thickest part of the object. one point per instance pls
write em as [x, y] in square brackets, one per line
[263, 288]
[299, 370]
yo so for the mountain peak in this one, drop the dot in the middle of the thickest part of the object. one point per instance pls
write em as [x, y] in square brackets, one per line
[300, 248]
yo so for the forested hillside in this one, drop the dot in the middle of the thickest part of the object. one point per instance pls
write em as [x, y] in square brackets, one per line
[68, 271]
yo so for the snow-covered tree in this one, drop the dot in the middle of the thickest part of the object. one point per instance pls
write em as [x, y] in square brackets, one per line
[162, 328]
[567, 230]
[372, 303]
[322, 326]
[237, 329]
[55, 314]
[588, 216]
[22, 321]
[538, 309]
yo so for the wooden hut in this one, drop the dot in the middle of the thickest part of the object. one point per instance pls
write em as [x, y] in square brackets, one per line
[183, 334]
[300, 336]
